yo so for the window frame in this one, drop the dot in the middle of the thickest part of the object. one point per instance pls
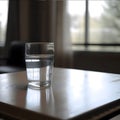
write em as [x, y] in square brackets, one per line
[86, 42]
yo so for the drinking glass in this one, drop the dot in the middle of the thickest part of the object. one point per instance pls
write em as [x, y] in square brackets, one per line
[39, 58]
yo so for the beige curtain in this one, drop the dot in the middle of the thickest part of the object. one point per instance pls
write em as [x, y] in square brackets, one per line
[63, 46]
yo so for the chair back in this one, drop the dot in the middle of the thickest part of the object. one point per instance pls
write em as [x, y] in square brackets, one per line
[16, 55]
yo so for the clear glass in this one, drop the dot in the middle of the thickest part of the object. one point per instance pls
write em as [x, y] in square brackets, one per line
[39, 59]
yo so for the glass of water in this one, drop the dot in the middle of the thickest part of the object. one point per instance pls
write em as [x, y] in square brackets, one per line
[39, 58]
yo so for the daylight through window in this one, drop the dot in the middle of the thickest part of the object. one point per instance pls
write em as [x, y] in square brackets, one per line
[3, 20]
[102, 23]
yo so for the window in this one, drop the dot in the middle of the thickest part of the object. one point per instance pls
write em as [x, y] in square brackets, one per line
[95, 24]
[3, 20]
[76, 11]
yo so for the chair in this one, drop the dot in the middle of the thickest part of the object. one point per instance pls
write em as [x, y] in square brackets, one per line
[16, 58]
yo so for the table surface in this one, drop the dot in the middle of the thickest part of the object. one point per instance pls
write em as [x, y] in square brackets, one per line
[73, 94]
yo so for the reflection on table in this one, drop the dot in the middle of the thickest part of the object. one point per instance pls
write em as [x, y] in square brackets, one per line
[74, 94]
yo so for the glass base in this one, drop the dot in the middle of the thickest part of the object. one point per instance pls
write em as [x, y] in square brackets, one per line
[38, 85]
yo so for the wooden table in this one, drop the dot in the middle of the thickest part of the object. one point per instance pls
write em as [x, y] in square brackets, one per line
[74, 94]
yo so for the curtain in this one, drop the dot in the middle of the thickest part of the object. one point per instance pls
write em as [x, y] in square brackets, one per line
[41, 20]
[63, 46]
[49, 21]
[13, 32]
[45, 20]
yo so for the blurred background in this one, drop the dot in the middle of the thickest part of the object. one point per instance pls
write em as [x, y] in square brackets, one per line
[86, 33]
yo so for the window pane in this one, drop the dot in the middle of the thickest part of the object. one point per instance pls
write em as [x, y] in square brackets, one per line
[104, 21]
[95, 21]
[76, 11]
[3, 20]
